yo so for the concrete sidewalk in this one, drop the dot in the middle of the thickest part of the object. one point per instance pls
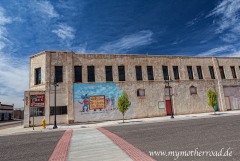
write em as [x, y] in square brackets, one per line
[20, 130]
[142, 120]
[90, 142]
[91, 145]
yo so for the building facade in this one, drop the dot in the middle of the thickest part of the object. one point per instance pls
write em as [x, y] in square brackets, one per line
[90, 84]
[6, 112]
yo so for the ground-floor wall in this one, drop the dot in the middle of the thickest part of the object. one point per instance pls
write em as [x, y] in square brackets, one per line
[98, 101]
[60, 119]
[6, 115]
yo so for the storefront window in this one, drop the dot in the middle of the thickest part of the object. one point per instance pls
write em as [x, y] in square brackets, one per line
[60, 110]
[38, 111]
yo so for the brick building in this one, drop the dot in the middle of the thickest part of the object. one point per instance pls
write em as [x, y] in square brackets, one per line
[6, 112]
[90, 84]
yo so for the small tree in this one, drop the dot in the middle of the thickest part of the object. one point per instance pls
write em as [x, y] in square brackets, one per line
[123, 103]
[212, 99]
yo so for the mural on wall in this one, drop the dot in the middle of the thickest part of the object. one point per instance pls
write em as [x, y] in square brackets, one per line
[97, 102]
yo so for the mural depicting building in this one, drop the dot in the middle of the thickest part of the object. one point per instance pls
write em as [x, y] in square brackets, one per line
[90, 84]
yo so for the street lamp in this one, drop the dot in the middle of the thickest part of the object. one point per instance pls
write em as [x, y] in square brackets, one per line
[55, 85]
[167, 82]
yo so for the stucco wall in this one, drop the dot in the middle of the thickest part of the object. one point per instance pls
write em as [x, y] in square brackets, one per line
[183, 102]
[38, 61]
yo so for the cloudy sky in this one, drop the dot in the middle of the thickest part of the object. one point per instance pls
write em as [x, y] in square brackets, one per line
[154, 27]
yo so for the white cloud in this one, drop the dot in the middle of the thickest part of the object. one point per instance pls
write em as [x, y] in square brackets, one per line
[215, 51]
[128, 42]
[45, 8]
[4, 20]
[228, 12]
[13, 71]
[230, 38]
[65, 32]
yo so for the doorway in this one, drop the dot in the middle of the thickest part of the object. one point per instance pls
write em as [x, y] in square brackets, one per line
[2, 117]
[168, 107]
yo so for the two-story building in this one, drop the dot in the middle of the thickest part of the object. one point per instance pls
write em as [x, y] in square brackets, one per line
[89, 85]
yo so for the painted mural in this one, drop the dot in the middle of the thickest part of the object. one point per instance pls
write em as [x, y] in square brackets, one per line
[98, 102]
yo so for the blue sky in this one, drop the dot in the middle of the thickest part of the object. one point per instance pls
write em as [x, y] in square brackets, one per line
[154, 27]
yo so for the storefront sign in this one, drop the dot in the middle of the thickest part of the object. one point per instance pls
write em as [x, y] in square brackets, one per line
[96, 102]
[37, 100]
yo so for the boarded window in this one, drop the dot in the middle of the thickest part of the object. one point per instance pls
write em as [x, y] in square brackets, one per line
[150, 72]
[109, 76]
[139, 73]
[38, 76]
[211, 72]
[193, 90]
[199, 70]
[58, 73]
[222, 72]
[190, 73]
[175, 71]
[78, 73]
[60, 110]
[141, 92]
[121, 73]
[165, 72]
[233, 72]
[91, 74]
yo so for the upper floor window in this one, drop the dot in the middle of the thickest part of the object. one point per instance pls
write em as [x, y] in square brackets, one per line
[190, 73]
[222, 72]
[150, 72]
[91, 74]
[199, 70]
[233, 72]
[38, 76]
[175, 71]
[165, 72]
[109, 76]
[78, 73]
[58, 74]
[121, 73]
[139, 72]
[211, 72]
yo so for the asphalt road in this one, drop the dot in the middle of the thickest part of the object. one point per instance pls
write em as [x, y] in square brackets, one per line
[29, 147]
[202, 136]
[10, 123]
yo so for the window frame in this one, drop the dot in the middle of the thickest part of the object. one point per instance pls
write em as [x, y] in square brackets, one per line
[150, 73]
[75, 71]
[221, 70]
[165, 77]
[93, 75]
[120, 69]
[176, 74]
[37, 76]
[190, 72]
[58, 79]
[111, 75]
[138, 95]
[199, 71]
[36, 110]
[52, 109]
[138, 73]
[233, 72]
[211, 70]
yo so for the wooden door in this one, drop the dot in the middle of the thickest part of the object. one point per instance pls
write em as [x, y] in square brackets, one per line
[168, 107]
